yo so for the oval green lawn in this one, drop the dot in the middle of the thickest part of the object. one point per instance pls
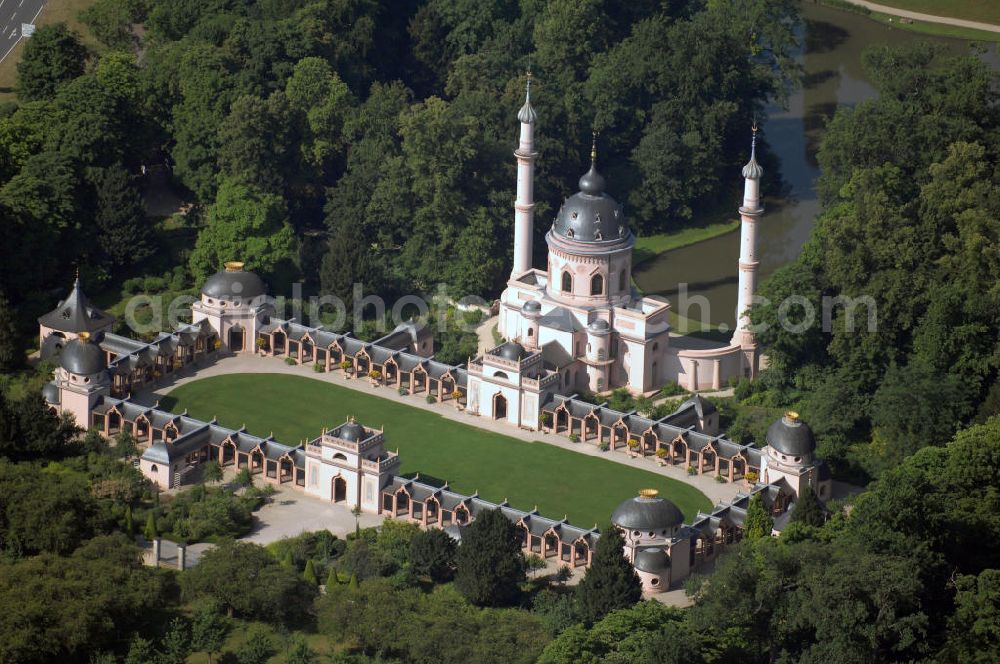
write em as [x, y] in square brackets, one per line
[558, 481]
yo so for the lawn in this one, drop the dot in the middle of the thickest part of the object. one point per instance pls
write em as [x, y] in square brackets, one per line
[985, 11]
[651, 246]
[558, 481]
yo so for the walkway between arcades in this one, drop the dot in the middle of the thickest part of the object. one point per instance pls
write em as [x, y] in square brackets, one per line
[246, 364]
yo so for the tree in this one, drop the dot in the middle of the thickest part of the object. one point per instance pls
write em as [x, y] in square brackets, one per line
[348, 261]
[149, 532]
[208, 630]
[256, 649]
[53, 55]
[247, 581]
[123, 232]
[140, 651]
[489, 562]
[176, 643]
[300, 653]
[974, 632]
[11, 350]
[110, 21]
[211, 472]
[309, 574]
[125, 444]
[332, 579]
[758, 522]
[252, 142]
[245, 224]
[611, 582]
[44, 511]
[808, 509]
[432, 554]
[129, 523]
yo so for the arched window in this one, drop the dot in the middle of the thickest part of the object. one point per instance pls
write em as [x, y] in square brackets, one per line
[597, 285]
[622, 281]
[531, 332]
[567, 282]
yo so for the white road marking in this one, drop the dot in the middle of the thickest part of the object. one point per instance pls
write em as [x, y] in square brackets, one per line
[14, 30]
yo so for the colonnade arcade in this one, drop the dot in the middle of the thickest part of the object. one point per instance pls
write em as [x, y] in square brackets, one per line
[382, 366]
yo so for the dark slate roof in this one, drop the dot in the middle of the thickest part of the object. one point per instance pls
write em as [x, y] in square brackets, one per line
[531, 306]
[406, 333]
[651, 559]
[789, 435]
[647, 513]
[599, 325]
[75, 314]
[232, 283]
[82, 357]
[555, 355]
[560, 319]
[701, 405]
[591, 215]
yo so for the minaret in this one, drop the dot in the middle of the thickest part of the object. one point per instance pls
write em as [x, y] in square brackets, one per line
[524, 204]
[750, 213]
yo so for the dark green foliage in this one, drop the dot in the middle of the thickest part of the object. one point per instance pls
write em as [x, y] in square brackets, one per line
[149, 531]
[11, 357]
[905, 251]
[56, 608]
[110, 21]
[175, 646]
[208, 629]
[974, 630]
[30, 431]
[121, 226]
[758, 522]
[611, 582]
[309, 573]
[52, 56]
[432, 554]
[257, 648]
[414, 626]
[42, 511]
[248, 582]
[348, 262]
[489, 561]
[808, 510]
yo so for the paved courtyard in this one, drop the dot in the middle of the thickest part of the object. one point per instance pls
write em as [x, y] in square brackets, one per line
[292, 513]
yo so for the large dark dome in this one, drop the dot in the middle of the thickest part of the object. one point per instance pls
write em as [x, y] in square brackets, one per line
[353, 432]
[591, 215]
[233, 282]
[80, 356]
[647, 512]
[791, 436]
[512, 351]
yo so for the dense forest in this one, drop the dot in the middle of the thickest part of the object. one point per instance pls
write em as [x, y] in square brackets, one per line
[343, 141]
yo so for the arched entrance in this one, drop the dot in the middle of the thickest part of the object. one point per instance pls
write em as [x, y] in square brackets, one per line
[499, 407]
[236, 338]
[339, 489]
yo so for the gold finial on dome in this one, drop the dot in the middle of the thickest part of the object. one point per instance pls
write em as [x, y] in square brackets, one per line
[233, 266]
[791, 416]
[83, 336]
[593, 149]
[648, 493]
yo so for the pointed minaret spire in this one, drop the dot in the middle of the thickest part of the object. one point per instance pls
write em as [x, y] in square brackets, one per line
[593, 150]
[524, 204]
[750, 213]
[527, 114]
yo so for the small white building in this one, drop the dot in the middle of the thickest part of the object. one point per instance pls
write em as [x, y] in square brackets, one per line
[790, 456]
[235, 303]
[350, 465]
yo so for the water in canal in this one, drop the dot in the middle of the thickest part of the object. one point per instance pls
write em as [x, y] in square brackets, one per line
[832, 42]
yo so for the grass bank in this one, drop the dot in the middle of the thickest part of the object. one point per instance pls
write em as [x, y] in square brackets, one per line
[651, 246]
[560, 482]
[923, 27]
[986, 11]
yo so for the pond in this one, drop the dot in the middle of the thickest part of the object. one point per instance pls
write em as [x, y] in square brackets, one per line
[831, 45]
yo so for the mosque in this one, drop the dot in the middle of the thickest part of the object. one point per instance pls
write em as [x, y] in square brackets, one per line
[579, 324]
